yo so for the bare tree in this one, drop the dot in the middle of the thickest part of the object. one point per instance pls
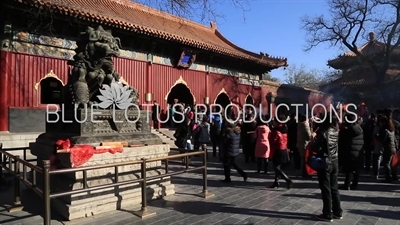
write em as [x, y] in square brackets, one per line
[268, 76]
[328, 76]
[204, 10]
[302, 76]
[347, 24]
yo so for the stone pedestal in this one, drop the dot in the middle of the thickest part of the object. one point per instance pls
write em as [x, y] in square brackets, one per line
[109, 126]
[105, 200]
[87, 126]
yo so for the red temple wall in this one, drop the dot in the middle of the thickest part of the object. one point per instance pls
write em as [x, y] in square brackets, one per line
[24, 71]
[218, 83]
[164, 78]
[254, 92]
[134, 73]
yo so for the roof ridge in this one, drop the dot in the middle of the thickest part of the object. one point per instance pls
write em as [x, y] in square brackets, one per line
[157, 12]
[133, 16]
[242, 49]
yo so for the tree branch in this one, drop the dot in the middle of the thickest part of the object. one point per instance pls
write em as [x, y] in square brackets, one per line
[347, 23]
[199, 10]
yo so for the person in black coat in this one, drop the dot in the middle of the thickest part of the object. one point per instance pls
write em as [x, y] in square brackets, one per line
[325, 144]
[248, 141]
[292, 141]
[231, 141]
[368, 130]
[155, 115]
[351, 141]
[201, 135]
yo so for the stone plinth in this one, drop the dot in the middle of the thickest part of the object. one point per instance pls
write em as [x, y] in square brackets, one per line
[84, 126]
[105, 200]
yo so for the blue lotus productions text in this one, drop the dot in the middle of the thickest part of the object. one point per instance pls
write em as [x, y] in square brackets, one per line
[201, 110]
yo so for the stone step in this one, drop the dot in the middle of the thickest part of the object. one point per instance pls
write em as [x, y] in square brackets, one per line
[167, 132]
[165, 136]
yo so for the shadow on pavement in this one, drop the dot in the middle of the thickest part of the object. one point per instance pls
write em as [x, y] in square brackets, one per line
[392, 215]
[203, 208]
[32, 211]
[381, 200]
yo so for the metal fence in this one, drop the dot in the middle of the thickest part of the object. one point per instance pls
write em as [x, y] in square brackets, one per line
[12, 164]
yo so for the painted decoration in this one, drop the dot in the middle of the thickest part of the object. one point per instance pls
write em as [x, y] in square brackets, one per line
[187, 59]
[41, 45]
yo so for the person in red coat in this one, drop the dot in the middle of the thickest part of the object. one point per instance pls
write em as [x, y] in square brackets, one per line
[262, 148]
[279, 151]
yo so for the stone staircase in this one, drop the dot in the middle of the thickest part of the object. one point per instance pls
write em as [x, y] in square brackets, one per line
[166, 135]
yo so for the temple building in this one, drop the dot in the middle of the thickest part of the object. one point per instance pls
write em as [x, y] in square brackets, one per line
[359, 84]
[163, 56]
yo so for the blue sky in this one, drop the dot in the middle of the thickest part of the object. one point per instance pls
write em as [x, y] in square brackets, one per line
[274, 27]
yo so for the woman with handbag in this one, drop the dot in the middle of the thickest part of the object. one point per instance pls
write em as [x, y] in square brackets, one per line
[325, 145]
[279, 151]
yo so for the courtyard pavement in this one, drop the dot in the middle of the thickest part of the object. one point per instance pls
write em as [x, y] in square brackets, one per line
[235, 203]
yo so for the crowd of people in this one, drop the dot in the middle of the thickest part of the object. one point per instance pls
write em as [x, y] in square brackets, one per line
[346, 144]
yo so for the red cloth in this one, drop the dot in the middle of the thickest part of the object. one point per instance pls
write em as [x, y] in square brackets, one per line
[396, 159]
[308, 153]
[80, 154]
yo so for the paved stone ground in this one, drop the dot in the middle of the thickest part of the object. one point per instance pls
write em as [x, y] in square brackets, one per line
[235, 203]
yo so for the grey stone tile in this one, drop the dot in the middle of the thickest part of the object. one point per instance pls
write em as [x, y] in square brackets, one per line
[165, 216]
[386, 223]
[350, 219]
[251, 220]
[228, 221]
[269, 220]
[308, 222]
[367, 221]
[193, 219]
[293, 207]
[212, 219]
[278, 206]
[288, 222]
[176, 219]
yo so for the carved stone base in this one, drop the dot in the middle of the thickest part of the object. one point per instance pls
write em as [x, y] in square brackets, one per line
[85, 126]
[96, 202]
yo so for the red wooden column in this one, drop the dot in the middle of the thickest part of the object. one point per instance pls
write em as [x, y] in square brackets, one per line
[4, 85]
[206, 89]
[150, 86]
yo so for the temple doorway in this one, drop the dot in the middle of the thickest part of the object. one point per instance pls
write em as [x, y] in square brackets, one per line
[249, 100]
[182, 93]
[222, 100]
